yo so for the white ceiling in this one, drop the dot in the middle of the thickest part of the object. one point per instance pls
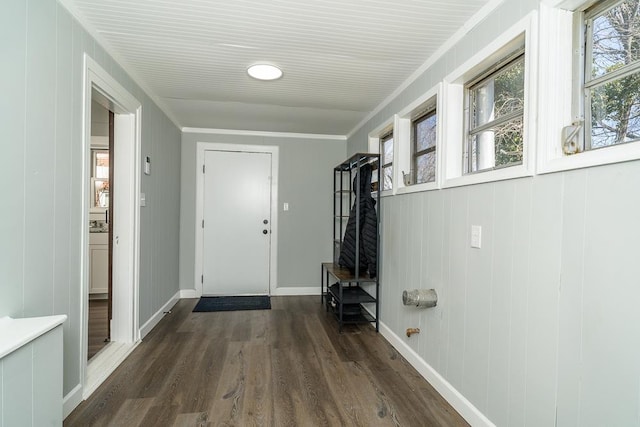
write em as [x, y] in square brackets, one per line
[341, 58]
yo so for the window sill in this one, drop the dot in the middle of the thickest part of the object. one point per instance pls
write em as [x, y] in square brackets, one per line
[600, 157]
[512, 172]
[416, 188]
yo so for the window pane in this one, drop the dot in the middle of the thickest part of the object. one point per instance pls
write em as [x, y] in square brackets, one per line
[616, 38]
[388, 183]
[426, 168]
[499, 95]
[425, 132]
[101, 193]
[101, 164]
[615, 112]
[501, 146]
[388, 151]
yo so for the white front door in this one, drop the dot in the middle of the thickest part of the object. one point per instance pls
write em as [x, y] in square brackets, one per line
[237, 223]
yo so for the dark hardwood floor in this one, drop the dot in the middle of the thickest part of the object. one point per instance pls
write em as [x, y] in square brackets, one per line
[287, 366]
[97, 326]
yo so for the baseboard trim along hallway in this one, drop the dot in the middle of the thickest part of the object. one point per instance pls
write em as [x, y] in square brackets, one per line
[468, 411]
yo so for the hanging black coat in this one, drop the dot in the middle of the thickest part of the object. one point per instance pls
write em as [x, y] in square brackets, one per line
[368, 228]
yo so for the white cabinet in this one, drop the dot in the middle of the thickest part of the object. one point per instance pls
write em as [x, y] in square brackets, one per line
[31, 371]
[98, 263]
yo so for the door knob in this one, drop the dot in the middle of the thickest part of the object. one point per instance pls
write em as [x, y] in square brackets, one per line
[264, 231]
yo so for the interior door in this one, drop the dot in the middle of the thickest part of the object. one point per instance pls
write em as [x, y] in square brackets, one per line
[237, 223]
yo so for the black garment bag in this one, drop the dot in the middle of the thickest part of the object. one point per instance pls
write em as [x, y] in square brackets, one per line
[368, 222]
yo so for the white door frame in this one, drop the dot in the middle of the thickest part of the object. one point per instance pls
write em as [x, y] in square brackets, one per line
[126, 232]
[273, 249]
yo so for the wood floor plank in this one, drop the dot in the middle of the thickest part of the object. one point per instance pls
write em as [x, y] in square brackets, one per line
[320, 406]
[201, 385]
[260, 326]
[132, 412]
[159, 374]
[288, 405]
[228, 400]
[407, 393]
[258, 402]
[288, 366]
[355, 400]
[197, 419]
[178, 381]
[98, 330]
[240, 325]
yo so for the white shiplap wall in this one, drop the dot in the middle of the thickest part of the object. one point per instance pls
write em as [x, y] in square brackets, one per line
[545, 307]
[539, 326]
[31, 379]
[41, 51]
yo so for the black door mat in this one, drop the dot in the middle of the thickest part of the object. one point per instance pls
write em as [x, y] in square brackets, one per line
[261, 302]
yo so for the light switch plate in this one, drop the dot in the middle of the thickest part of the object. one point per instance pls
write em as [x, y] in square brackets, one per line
[285, 206]
[476, 236]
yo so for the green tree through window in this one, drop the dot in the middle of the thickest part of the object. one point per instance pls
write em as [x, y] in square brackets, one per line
[612, 77]
[496, 117]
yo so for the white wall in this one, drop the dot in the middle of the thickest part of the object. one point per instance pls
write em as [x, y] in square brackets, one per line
[99, 120]
[41, 52]
[541, 322]
[31, 381]
[305, 182]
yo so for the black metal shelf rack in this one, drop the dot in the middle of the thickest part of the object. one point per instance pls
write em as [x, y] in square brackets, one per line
[353, 296]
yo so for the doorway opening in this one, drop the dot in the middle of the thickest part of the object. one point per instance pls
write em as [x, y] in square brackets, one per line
[100, 227]
[116, 212]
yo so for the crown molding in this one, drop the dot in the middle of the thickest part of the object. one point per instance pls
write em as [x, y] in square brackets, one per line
[264, 133]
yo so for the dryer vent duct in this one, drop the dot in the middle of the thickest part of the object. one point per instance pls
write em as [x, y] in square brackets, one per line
[424, 298]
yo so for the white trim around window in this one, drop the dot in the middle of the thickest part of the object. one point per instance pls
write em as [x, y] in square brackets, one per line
[374, 147]
[403, 134]
[557, 80]
[451, 163]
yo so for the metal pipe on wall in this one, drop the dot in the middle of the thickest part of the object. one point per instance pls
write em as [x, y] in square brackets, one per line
[424, 298]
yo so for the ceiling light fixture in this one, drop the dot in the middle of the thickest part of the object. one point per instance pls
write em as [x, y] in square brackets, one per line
[264, 72]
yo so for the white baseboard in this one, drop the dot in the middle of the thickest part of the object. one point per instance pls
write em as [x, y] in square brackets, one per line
[293, 291]
[151, 323]
[71, 401]
[469, 412]
[279, 292]
[188, 293]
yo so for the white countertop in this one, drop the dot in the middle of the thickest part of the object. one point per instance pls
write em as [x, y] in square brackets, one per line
[14, 333]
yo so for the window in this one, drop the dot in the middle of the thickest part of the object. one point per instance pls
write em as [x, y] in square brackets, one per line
[611, 73]
[100, 178]
[423, 146]
[494, 114]
[589, 105]
[386, 150]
